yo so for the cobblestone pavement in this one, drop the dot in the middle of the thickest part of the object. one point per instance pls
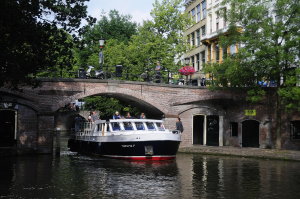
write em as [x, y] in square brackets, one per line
[243, 152]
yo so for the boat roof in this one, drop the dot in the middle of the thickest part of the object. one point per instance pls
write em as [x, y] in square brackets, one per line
[134, 120]
[127, 120]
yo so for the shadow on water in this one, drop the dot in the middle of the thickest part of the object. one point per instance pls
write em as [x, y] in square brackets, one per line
[189, 176]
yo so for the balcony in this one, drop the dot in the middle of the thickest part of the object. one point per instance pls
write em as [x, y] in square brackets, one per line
[188, 2]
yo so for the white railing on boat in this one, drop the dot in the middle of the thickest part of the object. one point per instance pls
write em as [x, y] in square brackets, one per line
[102, 128]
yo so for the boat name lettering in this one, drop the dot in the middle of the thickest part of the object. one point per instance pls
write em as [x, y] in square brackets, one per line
[130, 145]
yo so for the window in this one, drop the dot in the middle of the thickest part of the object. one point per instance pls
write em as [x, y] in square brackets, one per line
[234, 129]
[202, 57]
[210, 23]
[193, 12]
[232, 49]
[295, 130]
[188, 39]
[193, 39]
[198, 13]
[150, 126]
[139, 126]
[217, 15]
[224, 52]
[160, 126]
[203, 31]
[198, 37]
[225, 17]
[217, 50]
[193, 61]
[115, 126]
[203, 5]
[217, 26]
[198, 62]
[128, 126]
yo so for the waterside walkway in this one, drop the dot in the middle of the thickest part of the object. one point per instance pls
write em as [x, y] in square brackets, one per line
[243, 152]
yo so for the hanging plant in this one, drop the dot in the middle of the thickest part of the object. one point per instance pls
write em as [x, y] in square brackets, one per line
[187, 70]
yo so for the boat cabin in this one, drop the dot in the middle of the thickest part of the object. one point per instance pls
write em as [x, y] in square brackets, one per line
[101, 127]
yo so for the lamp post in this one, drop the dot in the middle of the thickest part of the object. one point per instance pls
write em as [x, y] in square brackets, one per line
[101, 56]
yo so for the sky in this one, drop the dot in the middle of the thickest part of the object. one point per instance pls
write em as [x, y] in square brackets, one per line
[138, 9]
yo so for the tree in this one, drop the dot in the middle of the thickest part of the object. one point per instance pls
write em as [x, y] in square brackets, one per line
[114, 26]
[28, 31]
[269, 39]
[108, 106]
[162, 38]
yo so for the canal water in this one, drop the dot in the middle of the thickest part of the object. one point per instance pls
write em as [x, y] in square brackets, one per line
[189, 176]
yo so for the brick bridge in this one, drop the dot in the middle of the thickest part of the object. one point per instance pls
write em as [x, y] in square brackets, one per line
[35, 109]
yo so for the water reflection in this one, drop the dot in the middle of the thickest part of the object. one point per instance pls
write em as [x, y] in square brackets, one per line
[224, 177]
[189, 176]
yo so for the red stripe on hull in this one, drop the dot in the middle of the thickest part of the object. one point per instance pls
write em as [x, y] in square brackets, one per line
[143, 157]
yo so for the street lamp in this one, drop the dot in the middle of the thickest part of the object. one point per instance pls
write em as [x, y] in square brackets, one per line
[101, 56]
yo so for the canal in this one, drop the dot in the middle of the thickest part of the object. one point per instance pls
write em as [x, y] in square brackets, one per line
[189, 176]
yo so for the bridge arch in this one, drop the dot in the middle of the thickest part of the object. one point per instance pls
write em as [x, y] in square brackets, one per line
[152, 108]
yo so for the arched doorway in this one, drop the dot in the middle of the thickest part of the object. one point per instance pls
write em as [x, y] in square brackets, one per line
[250, 133]
[7, 128]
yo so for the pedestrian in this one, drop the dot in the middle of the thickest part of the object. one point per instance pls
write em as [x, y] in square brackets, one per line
[128, 116]
[94, 116]
[142, 116]
[179, 125]
[116, 115]
[90, 116]
[78, 122]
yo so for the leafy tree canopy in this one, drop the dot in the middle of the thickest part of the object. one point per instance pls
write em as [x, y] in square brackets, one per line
[162, 38]
[108, 106]
[115, 26]
[267, 33]
[30, 32]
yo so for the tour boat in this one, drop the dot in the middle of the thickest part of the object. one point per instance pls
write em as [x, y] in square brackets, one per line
[133, 139]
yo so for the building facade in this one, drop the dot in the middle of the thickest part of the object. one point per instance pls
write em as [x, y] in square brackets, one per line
[203, 34]
[195, 33]
[226, 124]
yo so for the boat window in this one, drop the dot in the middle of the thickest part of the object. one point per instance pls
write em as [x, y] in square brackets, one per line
[150, 126]
[160, 126]
[128, 126]
[139, 126]
[115, 126]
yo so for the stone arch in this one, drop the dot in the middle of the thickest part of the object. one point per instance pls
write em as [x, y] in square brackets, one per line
[154, 108]
[250, 133]
[19, 99]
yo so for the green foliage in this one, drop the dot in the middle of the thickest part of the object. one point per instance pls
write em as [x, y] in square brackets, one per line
[116, 29]
[62, 54]
[29, 36]
[137, 49]
[108, 106]
[161, 39]
[269, 39]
